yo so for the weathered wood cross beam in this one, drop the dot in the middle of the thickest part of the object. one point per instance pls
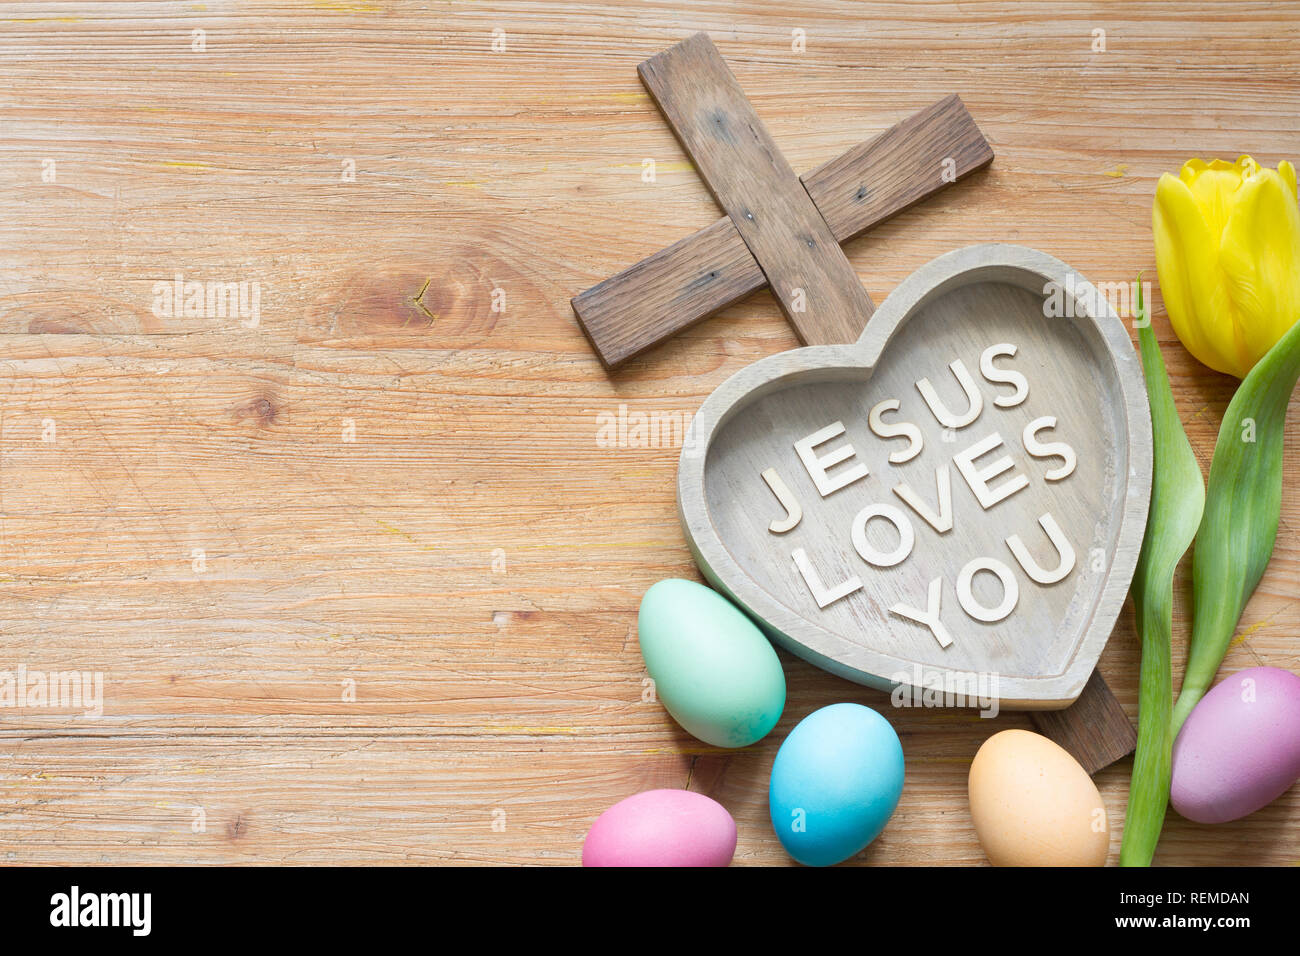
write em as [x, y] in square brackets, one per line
[780, 230]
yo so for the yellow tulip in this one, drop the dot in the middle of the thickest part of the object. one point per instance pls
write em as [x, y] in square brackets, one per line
[1228, 256]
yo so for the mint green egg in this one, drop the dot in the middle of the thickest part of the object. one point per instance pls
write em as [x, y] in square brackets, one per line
[714, 671]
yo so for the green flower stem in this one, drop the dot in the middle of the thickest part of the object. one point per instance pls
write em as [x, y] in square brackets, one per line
[1243, 505]
[1177, 500]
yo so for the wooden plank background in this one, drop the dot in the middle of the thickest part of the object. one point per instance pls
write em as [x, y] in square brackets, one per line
[472, 562]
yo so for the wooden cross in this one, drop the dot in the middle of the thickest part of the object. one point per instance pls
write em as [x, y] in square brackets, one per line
[784, 231]
[779, 230]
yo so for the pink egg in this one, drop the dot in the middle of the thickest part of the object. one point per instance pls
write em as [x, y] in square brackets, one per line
[1240, 747]
[662, 828]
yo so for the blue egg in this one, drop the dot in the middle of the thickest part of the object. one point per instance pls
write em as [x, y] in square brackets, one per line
[835, 783]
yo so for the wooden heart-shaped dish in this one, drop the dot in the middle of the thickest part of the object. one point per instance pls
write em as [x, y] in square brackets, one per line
[960, 494]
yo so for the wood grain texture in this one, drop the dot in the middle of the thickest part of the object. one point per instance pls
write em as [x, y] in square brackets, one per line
[518, 688]
[695, 277]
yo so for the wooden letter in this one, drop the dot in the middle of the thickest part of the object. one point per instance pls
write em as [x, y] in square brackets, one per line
[1010, 590]
[817, 466]
[787, 500]
[946, 418]
[1000, 377]
[901, 430]
[821, 594]
[941, 522]
[1032, 568]
[979, 480]
[1058, 449]
[930, 616]
[906, 536]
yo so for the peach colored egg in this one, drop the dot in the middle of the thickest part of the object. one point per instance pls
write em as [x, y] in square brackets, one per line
[1033, 805]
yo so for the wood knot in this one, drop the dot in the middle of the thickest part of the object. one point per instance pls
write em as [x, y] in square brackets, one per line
[261, 410]
[425, 303]
[236, 828]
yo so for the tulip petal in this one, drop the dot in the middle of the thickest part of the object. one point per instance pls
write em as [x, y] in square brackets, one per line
[1287, 172]
[1196, 298]
[1214, 187]
[1260, 257]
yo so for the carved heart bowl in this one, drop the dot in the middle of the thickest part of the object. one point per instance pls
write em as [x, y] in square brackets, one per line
[957, 500]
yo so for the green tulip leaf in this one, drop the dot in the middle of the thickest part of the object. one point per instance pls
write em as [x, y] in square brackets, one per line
[1242, 508]
[1177, 500]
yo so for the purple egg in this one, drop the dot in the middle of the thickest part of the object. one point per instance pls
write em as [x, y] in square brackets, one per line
[662, 828]
[1240, 747]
